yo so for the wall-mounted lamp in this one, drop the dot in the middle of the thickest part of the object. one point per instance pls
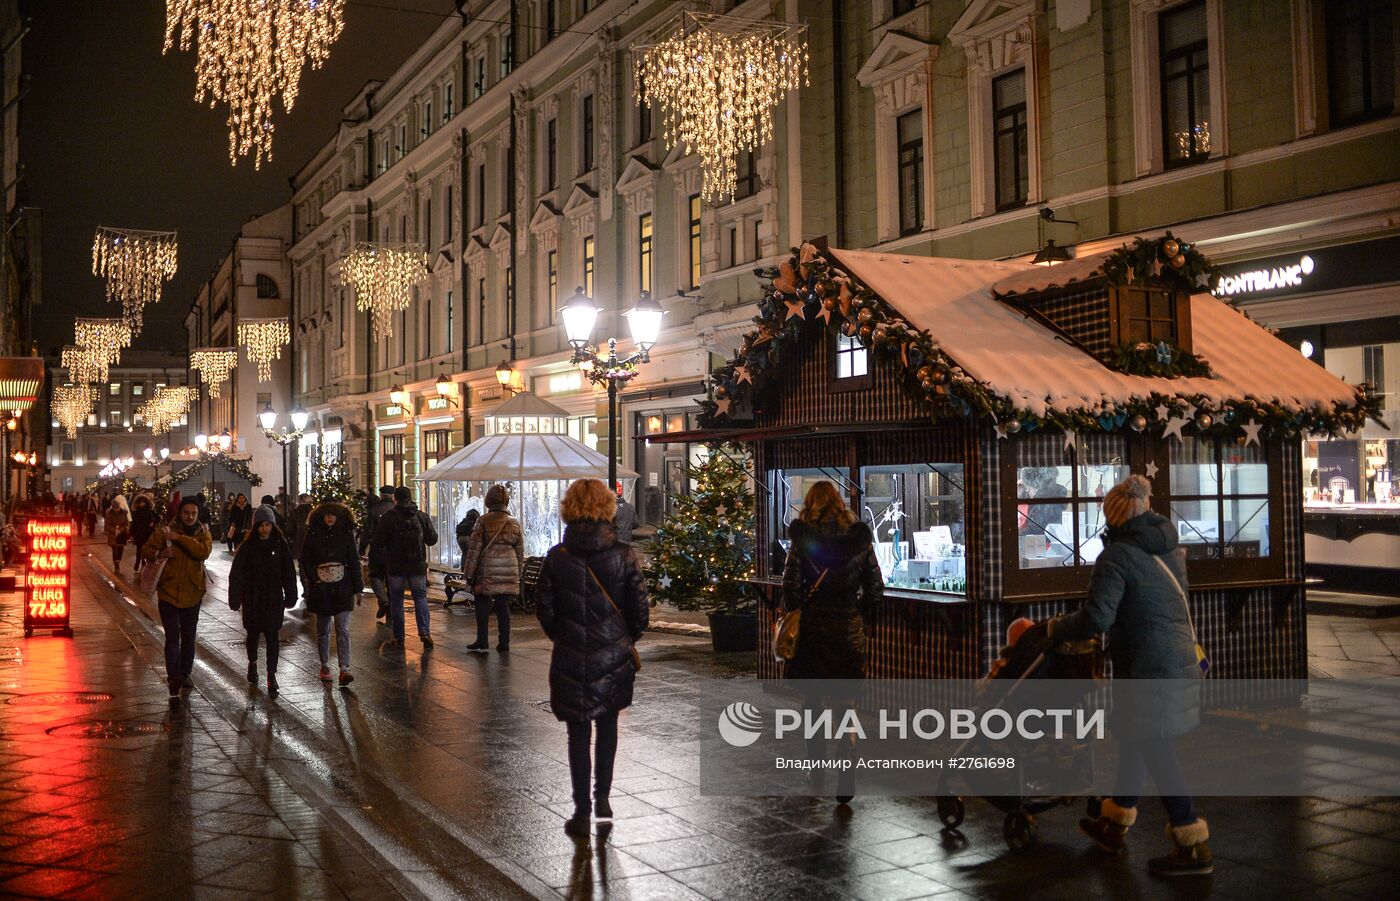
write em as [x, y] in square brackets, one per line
[1051, 254]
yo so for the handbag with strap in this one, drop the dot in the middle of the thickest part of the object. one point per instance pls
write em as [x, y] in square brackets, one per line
[151, 570]
[631, 645]
[786, 632]
[1202, 660]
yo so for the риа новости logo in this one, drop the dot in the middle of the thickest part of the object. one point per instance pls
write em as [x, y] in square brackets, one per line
[740, 724]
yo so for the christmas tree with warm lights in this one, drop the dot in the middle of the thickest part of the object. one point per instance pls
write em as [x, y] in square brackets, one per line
[330, 481]
[703, 552]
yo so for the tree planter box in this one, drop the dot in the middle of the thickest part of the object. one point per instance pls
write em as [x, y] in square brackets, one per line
[733, 632]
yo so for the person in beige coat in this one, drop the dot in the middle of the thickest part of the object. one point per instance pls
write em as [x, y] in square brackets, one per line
[186, 544]
[495, 556]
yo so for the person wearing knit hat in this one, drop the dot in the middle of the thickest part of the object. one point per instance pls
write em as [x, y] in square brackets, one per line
[1138, 595]
[262, 583]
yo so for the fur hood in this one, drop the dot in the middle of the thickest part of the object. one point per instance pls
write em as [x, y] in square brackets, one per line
[344, 520]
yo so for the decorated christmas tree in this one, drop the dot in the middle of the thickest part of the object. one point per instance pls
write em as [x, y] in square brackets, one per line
[330, 481]
[703, 552]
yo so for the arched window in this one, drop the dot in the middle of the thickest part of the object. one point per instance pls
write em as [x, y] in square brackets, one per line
[266, 286]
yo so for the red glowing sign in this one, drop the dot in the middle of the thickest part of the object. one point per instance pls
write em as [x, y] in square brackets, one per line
[46, 580]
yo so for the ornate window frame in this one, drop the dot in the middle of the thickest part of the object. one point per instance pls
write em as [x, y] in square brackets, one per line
[897, 72]
[998, 37]
[1147, 85]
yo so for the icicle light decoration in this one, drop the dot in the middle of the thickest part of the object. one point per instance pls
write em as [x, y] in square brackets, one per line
[715, 81]
[264, 339]
[71, 405]
[103, 339]
[163, 411]
[214, 365]
[248, 53]
[135, 265]
[82, 369]
[383, 276]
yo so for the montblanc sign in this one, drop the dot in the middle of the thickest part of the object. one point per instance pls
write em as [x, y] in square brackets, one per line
[1311, 271]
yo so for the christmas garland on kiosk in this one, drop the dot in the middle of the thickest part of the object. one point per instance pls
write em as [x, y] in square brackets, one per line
[807, 291]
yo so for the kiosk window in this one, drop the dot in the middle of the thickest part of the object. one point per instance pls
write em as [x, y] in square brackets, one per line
[852, 359]
[1059, 497]
[916, 514]
[1220, 498]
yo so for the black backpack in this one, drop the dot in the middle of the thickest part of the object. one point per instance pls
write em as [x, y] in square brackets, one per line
[406, 538]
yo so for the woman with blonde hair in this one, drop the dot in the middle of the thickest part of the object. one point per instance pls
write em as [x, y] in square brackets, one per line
[832, 576]
[117, 523]
[593, 605]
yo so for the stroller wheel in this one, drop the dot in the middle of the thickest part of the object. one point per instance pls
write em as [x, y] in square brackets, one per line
[1019, 829]
[951, 811]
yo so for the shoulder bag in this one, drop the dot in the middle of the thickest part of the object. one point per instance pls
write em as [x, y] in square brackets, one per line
[149, 577]
[785, 633]
[1202, 660]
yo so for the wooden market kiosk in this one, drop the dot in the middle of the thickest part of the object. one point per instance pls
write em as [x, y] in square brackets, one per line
[975, 413]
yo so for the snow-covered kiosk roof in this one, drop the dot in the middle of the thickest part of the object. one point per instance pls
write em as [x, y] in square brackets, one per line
[526, 440]
[973, 337]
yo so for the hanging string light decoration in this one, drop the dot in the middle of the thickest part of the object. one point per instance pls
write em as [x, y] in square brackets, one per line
[82, 368]
[264, 340]
[104, 340]
[248, 52]
[716, 81]
[214, 365]
[383, 276]
[166, 406]
[135, 265]
[71, 405]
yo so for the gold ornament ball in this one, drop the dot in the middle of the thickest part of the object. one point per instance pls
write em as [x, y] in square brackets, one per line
[866, 332]
[721, 392]
[1178, 261]
[1170, 247]
[939, 376]
[848, 329]
[829, 305]
[926, 384]
[865, 315]
[925, 373]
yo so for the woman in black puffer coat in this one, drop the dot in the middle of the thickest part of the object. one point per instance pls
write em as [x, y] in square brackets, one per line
[832, 576]
[262, 583]
[143, 524]
[593, 605]
[330, 565]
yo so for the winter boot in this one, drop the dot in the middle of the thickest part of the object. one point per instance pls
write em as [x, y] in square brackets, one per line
[1189, 855]
[1110, 829]
[577, 825]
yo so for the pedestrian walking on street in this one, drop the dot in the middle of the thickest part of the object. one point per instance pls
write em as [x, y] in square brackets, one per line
[90, 509]
[205, 516]
[330, 567]
[143, 522]
[300, 518]
[117, 524]
[262, 583]
[403, 537]
[626, 517]
[492, 564]
[269, 501]
[832, 576]
[464, 532]
[373, 513]
[593, 605]
[1138, 595]
[186, 543]
[240, 517]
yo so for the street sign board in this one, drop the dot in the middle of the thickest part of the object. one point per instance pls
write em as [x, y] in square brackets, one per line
[46, 584]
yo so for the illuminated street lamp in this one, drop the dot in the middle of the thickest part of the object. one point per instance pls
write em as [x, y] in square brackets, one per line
[580, 314]
[284, 438]
[398, 396]
[201, 441]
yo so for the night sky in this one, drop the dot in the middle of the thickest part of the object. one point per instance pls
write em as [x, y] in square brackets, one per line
[111, 135]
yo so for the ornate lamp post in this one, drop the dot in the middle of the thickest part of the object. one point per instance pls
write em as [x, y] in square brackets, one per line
[284, 437]
[643, 320]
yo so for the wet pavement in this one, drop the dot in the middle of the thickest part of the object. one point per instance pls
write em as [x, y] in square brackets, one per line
[443, 774]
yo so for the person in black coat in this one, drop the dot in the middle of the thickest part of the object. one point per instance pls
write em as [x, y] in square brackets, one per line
[464, 531]
[832, 576]
[240, 518]
[262, 583]
[330, 565]
[592, 603]
[375, 509]
[143, 524]
[401, 540]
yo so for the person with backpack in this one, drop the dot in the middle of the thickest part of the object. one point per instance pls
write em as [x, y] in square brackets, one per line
[492, 564]
[592, 603]
[1138, 595]
[403, 537]
[262, 583]
[330, 569]
[374, 511]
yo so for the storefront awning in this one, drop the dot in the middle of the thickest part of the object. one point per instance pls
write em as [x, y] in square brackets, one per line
[20, 381]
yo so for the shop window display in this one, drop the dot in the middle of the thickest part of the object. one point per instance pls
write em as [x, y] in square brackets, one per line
[1220, 498]
[1059, 497]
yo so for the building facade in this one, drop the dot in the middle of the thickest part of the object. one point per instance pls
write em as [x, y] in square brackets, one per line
[114, 430]
[252, 282]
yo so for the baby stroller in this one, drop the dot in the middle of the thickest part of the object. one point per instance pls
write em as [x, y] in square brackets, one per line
[1030, 655]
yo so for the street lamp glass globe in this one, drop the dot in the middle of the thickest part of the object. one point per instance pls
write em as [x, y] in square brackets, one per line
[164, 452]
[300, 417]
[504, 373]
[444, 386]
[579, 315]
[130, 462]
[225, 440]
[268, 417]
[201, 441]
[147, 453]
[397, 395]
[644, 320]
